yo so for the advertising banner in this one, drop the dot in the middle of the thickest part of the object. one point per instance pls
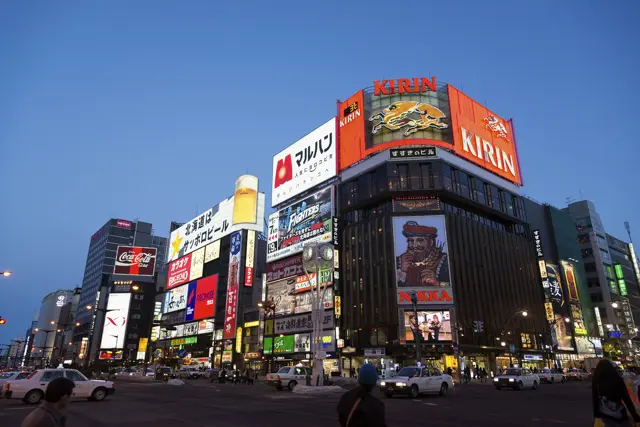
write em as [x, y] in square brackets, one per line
[284, 268]
[205, 327]
[245, 200]
[302, 343]
[115, 321]
[234, 259]
[210, 226]
[308, 162]
[282, 296]
[268, 345]
[283, 344]
[304, 301]
[190, 329]
[175, 299]
[212, 251]
[352, 129]
[482, 137]
[303, 285]
[249, 260]
[135, 261]
[179, 272]
[328, 340]
[420, 244]
[197, 264]
[201, 298]
[301, 323]
[308, 220]
[570, 280]
[123, 223]
[434, 326]
[110, 355]
[578, 320]
[230, 312]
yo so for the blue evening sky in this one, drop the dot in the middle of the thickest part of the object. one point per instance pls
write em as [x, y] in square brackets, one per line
[151, 109]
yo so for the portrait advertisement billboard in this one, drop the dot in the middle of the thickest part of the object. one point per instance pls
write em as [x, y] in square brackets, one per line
[175, 299]
[421, 259]
[308, 220]
[482, 137]
[304, 301]
[115, 321]
[433, 326]
[281, 295]
[213, 225]
[352, 131]
[308, 162]
[135, 261]
[201, 300]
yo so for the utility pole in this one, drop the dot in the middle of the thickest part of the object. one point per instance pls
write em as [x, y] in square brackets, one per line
[417, 335]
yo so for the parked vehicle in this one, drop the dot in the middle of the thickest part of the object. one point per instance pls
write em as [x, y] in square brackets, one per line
[517, 379]
[576, 374]
[12, 375]
[288, 376]
[190, 372]
[414, 381]
[551, 376]
[31, 390]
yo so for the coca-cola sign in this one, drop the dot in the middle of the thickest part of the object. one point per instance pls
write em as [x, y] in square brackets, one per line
[134, 260]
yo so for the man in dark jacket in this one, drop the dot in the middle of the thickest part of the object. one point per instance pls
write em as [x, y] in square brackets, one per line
[357, 408]
[56, 398]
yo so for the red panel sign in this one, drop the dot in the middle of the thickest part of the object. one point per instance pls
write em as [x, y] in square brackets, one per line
[134, 260]
[205, 305]
[179, 271]
[230, 314]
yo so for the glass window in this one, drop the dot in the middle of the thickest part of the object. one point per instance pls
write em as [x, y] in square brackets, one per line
[508, 202]
[480, 193]
[416, 176]
[446, 177]
[75, 376]
[364, 186]
[427, 175]
[393, 177]
[22, 375]
[463, 184]
[49, 375]
[403, 177]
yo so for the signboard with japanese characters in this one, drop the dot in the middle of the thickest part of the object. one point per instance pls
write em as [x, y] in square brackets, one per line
[190, 329]
[179, 272]
[197, 264]
[284, 268]
[212, 251]
[308, 162]
[234, 259]
[538, 242]
[249, 259]
[308, 220]
[283, 344]
[303, 284]
[210, 226]
[304, 301]
[411, 153]
[328, 340]
[302, 343]
[230, 313]
[301, 323]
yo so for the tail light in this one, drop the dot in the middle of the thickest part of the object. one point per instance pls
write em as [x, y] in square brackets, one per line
[6, 386]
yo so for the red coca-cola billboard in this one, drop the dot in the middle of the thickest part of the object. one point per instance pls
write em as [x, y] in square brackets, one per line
[135, 260]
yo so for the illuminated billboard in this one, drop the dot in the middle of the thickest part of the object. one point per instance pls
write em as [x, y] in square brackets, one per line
[433, 326]
[175, 299]
[115, 321]
[135, 260]
[308, 220]
[201, 298]
[310, 161]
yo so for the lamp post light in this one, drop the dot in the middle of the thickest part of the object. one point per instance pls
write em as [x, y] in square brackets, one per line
[6, 273]
[523, 313]
[316, 256]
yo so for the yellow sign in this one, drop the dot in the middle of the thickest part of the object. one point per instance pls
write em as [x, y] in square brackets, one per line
[451, 361]
[245, 200]
[252, 324]
[548, 308]
[268, 328]
[336, 306]
[543, 268]
[239, 340]
[142, 345]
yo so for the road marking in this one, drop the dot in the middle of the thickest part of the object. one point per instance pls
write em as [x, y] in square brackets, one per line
[557, 421]
[430, 404]
[19, 407]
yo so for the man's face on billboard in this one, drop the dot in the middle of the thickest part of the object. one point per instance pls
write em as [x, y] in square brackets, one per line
[417, 244]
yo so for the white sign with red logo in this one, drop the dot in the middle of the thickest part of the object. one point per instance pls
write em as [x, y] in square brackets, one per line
[230, 313]
[248, 265]
[135, 260]
[308, 162]
[179, 272]
[115, 321]
[123, 223]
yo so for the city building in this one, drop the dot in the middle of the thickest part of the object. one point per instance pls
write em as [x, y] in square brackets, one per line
[215, 273]
[55, 320]
[611, 279]
[576, 331]
[100, 267]
[28, 340]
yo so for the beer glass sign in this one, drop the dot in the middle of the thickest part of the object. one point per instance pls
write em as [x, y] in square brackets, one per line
[245, 203]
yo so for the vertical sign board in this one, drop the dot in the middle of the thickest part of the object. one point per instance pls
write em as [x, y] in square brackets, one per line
[233, 283]
[249, 260]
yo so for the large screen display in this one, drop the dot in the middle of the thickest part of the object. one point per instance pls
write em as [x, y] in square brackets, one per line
[308, 220]
[434, 326]
[115, 321]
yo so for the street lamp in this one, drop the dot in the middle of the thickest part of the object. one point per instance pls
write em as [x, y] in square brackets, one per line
[522, 312]
[6, 273]
[317, 255]
[614, 305]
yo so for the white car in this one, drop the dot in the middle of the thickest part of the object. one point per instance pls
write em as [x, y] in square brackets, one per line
[576, 374]
[415, 381]
[517, 379]
[551, 376]
[31, 390]
[190, 372]
[289, 376]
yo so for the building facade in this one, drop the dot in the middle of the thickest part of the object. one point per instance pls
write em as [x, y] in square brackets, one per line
[55, 318]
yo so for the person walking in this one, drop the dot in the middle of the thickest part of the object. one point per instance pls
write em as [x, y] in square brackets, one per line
[357, 407]
[56, 398]
[610, 396]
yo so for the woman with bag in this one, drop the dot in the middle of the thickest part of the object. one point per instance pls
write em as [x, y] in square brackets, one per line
[610, 396]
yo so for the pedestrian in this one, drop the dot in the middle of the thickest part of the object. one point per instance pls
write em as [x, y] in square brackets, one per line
[56, 398]
[236, 380]
[467, 375]
[610, 396]
[250, 376]
[357, 407]
[245, 376]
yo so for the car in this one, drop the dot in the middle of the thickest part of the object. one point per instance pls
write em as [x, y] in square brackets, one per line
[576, 374]
[288, 376]
[517, 379]
[12, 375]
[190, 372]
[211, 373]
[551, 376]
[31, 390]
[126, 372]
[414, 381]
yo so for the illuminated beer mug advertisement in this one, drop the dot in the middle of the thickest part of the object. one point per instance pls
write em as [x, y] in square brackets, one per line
[245, 202]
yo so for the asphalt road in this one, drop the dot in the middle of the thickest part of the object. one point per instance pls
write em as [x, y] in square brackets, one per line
[199, 404]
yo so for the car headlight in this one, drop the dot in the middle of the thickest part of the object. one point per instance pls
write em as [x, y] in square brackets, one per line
[382, 383]
[401, 384]
[495, 380]
[511, 380]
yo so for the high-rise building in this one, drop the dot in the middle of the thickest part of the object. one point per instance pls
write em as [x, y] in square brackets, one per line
[53, 322]
[101, 259]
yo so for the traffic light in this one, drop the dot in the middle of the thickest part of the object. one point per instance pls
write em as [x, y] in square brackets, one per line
[2, 321]
[478, 326]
